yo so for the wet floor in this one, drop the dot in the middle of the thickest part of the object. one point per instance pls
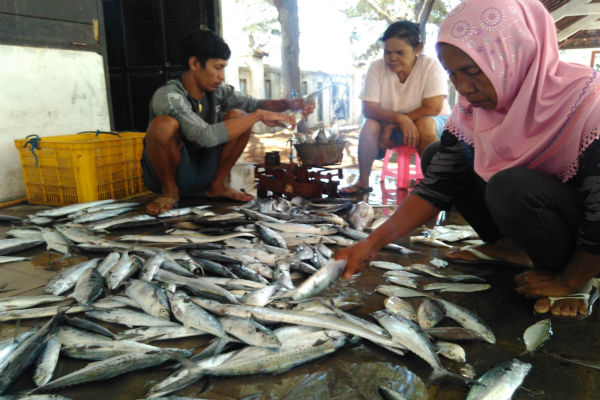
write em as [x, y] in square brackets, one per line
[355, 371]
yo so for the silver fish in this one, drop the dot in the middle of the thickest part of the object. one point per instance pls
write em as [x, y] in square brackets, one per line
[56, 241]
[109, 368]
[128, 318]
[537, 334]
[26, 353]
[172, 239]
[451, 351]
[321, 279]
[302, 228]
[125, 268]
[66, 210]
[20, 302]
[361, 215]
[194, 316]
[271, 236]
[108, 263]
[9, 259]
[468, 319]
[456, 287]
[429, 314]
[67, 278]
[46, 362]
[500, 382]
[100, 215]
[89, 287]
[250, 332]
[136, 220]
[411, 337]
[151, 298]
[8, 246]
[396, 305]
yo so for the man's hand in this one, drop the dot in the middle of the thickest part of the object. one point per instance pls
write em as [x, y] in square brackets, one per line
[357, 255]
[409, 130]
[271, 118]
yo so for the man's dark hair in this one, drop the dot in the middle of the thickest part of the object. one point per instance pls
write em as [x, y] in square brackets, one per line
[203, 44]
[403, 29]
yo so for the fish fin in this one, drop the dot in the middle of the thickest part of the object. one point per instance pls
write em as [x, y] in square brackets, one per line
[442, 373]
[185, 363]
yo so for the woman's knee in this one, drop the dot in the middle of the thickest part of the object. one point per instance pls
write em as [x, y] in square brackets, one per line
[371, 128]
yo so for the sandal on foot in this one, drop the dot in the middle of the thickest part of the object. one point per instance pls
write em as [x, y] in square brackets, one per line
[589, 297]
[482, 259]
[165, 203]
[354, 190]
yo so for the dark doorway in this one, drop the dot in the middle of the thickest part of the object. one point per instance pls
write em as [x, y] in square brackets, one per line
[142, 40]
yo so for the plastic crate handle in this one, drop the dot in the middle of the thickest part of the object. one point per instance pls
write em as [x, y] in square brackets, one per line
[34, 142]
[98, 132]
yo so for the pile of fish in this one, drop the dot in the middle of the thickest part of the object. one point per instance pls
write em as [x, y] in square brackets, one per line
[247, 280]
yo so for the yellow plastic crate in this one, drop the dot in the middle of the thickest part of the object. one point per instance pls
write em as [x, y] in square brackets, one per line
[82, 167]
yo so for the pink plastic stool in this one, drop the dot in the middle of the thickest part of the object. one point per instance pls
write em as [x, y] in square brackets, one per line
[405, 171]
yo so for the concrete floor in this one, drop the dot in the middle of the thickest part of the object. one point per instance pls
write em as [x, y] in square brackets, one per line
[353, 372]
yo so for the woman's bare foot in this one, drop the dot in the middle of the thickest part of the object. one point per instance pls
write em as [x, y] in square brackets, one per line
[228, 193]
[502, 251]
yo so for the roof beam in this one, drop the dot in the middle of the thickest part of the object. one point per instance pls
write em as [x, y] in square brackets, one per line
[589, 22]
[576, 7]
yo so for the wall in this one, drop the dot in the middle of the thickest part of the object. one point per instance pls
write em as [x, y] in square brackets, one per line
[46, 92]
[579, 56]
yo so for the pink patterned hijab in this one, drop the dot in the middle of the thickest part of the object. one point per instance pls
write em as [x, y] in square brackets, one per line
[548, 111]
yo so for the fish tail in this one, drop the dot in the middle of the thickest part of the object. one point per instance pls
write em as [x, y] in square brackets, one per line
[440, 373]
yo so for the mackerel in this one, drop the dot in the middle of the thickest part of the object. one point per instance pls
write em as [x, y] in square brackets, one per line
[451, 351]
[265, 314]
[46, 362]
[20, 302]
[56, 241]
[537, 334]
[42, 312]
[100, 215]
[468, 319]
[151, 298]
[128, 318]
[154, 333]
[271, 236]
[8, 346]
[108, 263]
[414, 339]
[67, 278]
[109, 368]
[8, 246]
[125, 268]
[321, 279]
[396, 305]
[136, 220]
[429, 314]
[456, 287]
[302, 228]
[26, 353]
[194, 316]
[89, 287]
[500, 382]
[66, 210]
[9, 259]
[151, 266]
[204, 285]
[171, 239]
[250, 332]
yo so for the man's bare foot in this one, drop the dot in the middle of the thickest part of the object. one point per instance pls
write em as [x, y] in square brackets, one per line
[561, 307]
[229, 194]
[161, 204]
[503, 251]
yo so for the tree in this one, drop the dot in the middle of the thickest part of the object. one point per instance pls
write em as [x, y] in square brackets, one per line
[374, 15]
[290, 45]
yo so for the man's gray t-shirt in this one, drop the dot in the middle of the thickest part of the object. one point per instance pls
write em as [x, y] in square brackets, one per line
[173, 100]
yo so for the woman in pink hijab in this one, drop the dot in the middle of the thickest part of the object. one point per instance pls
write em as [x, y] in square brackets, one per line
[519, 157]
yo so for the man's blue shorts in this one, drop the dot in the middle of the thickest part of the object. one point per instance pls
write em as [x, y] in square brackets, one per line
[397, 136]
[194, 173]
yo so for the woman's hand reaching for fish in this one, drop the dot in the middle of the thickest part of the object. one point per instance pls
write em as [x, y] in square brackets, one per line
[357, 256]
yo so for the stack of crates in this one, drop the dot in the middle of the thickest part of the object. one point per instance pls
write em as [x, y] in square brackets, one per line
[77, 168]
